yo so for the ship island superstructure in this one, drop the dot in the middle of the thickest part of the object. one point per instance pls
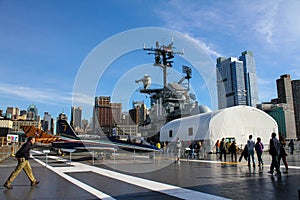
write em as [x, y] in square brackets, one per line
[173, 100]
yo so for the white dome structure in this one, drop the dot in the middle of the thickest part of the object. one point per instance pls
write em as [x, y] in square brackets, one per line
[236, 122]
[204, 109]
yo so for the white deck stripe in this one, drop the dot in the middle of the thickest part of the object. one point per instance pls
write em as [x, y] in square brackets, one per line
[235, 163]
[84, 186]
[140, 182]
[157, 186]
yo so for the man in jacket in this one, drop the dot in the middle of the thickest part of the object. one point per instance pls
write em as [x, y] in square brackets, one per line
[223, 149]
[274, 151]
[250, 146]
[22, 156]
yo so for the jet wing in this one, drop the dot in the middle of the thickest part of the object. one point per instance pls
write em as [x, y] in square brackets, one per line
[60, 142]
[123, 145]
[97, 148]
[40, 135]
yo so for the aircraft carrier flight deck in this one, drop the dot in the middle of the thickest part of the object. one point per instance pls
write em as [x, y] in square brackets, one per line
[133, 176]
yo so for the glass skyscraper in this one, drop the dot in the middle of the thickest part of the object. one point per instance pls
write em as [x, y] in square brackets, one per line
[32, 113]
[236, 81]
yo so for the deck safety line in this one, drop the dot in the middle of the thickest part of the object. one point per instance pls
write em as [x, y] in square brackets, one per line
[76, 182]
[233, 163]
[140, 182]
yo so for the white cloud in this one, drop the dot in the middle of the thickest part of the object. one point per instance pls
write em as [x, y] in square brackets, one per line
[271, 29]
[295, 73]
[45, 96]
[273, 22]
[207, 47]
[264, 81]
[257, 18]
[186, 17]
[79, 98]
[266, 89]
[278, 22]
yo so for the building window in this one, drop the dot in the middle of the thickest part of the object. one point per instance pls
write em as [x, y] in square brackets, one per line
[170, 133]
[191, 131]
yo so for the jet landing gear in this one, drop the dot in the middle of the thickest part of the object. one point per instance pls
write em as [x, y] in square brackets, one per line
[60, 152]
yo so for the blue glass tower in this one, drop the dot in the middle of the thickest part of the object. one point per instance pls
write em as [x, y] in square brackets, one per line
[250, 77]
[236, 81]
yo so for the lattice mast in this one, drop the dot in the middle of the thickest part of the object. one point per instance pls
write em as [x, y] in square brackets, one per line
[163, 57]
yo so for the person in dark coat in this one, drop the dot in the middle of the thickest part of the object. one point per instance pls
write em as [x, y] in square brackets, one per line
[223, 149]
[291, 146]
[283, 154]
[259, 146]
[274, 151]
[244, 154]
[22, 156]
[232, 150]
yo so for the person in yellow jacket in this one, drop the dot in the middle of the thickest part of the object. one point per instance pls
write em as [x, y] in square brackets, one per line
[158, 145]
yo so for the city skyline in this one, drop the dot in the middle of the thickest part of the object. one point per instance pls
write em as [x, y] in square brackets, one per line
[43, 44]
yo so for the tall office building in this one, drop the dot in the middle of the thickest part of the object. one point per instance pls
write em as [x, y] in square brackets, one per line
[32, 113]
[102, 112]
[284, 91]
[47, 123]
[296, 100]
[285, 96]
[106, 114]
[76, 116]
[250, 77]
[12, 112]
[138, 114]
[236, 81]
[61, 116]
[116, 109]
[285, 108]
[85, 124]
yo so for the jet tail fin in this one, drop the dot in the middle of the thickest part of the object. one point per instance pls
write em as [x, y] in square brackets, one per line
[64, 129]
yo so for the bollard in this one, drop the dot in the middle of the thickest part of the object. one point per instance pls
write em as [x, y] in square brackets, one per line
[12, 149]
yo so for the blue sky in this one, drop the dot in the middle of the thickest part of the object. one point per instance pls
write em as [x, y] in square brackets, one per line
[44, 44]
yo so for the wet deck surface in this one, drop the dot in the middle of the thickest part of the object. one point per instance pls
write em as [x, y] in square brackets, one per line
[156, 179]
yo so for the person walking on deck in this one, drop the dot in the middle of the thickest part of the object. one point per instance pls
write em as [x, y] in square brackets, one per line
[250, 146]
[259, 150]
[22, 156]
[274, 151]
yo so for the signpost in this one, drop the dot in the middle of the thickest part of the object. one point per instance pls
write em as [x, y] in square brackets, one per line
[11, 138]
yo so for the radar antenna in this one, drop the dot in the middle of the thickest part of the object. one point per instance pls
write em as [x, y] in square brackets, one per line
[163, 56]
